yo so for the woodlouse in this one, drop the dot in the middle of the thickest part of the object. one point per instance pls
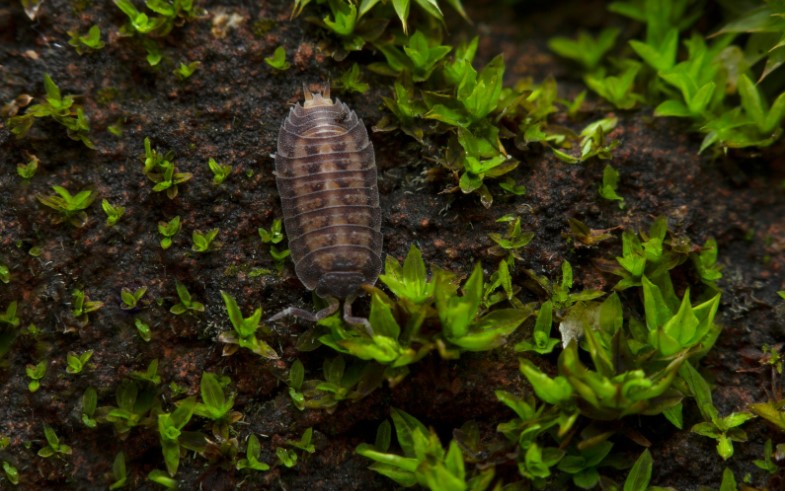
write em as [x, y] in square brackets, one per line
[326, 177]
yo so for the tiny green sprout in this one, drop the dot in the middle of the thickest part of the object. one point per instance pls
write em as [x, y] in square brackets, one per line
[131, 298]
[53, 444]
[585, 50]
[350, 80]
[513, 187]
[70, 207]
[514, 238]
[9, 316]
[186, 302]
[274, 235]
[244, 334]
[278, 59]
[168, 230]
[296, 378]
[203, 241]
[11, 472]
[724, 429]
[640, 474]
[160, 169]
[617, 89]
[76, 362]
[35, 373]
[252, 453]
[82, 306]
[162, 478]
[116, 129]
[220, 171]
[154, 55]
[88, 42]
[541, 342]
[304, 443]
[424, 460]
[411, 281]
[767, 463]
[5, 277]
[593, 142]
[184, 71]
[143, 329]
[582, 465]
[28, 170]
[119, 473]
[113, 213]
[89, 403]
[610, 182]
[150, 374]
[286, 456]
[60, 108]
[344, 17]
[215, 405]
[170, 427]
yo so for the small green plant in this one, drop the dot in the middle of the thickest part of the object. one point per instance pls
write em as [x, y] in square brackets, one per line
[53, 445]
[541, 341]
[88, 42]
[136, 405]
[113, 213]
[244, 334]
[592, 143]
[220, 171]
[610, 182]
[130, 298]
[11, 472]
[58, 107]
[119, 472]
[767, 463]
[184, 71]
[83, 306]
[586, 50]
[89, 404]
[168, 230]
[275, 236]
[160, 169]
[9, 316]
[5, 277]
[724, 429]
[424, 460]
[351, 81]
[394, 337]
[70, 207]
[619, 89]
[186, 302]
[296, 379]
[162, 478]
[77, 362]
[203, 241]
[35, 373]
[143, 329]
[278, 59]
[252, 453]
[514, 238]
[215, 405]
[170, 426]
[27, 171]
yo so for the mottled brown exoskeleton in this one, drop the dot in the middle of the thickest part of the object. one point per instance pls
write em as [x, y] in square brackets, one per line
[326, 176]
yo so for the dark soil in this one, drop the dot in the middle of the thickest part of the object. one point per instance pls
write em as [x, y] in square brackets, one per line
[231, 109]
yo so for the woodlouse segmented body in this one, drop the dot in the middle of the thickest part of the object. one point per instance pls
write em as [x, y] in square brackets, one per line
[326, 176]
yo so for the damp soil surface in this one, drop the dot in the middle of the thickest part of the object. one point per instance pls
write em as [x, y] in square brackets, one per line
[230, 110]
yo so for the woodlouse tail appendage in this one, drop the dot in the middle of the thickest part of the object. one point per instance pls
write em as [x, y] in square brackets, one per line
[326, 176]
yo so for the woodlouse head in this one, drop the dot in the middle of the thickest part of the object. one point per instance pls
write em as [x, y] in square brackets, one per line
[339, 284]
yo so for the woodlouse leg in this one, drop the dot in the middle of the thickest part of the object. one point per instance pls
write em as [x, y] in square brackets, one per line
[332, 307]
[352, 320]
